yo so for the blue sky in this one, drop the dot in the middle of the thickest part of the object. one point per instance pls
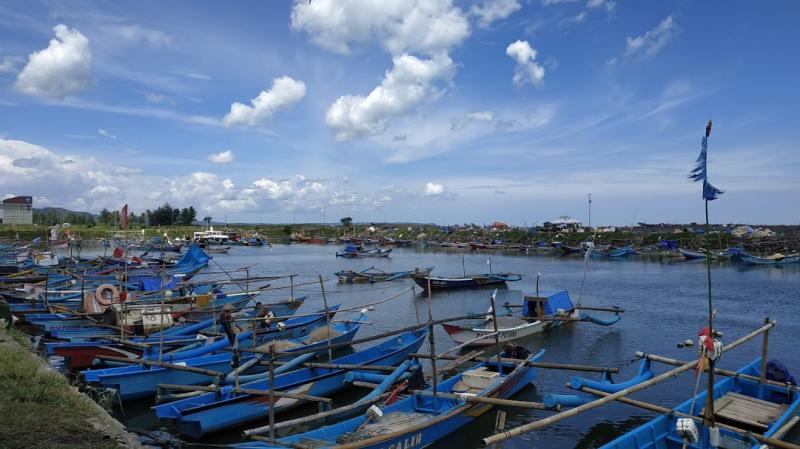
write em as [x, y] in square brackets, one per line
[440, 111]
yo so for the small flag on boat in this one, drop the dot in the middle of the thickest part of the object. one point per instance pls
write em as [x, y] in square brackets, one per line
[700, 171]
[118, 253]
[123, 217]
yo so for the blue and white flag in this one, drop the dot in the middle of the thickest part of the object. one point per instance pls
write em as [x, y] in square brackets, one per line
[700, 172]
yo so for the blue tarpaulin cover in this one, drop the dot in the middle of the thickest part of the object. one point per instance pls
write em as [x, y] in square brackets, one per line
[194, 256]
[154, 283]
[556, 299]
[671, 245]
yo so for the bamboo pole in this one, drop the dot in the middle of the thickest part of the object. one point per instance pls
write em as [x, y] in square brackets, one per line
[594, 404]
[216, 388]
[764, 348]
[664, 410]
[365, 339]
[496, 333]
[315, 417]
[327, 317]
[721, 372]
[343, 366]
[499, 425]
[544, 365]
[484, 400]
[161, 364]
[272, 388]
[432, 344]
[461, 360]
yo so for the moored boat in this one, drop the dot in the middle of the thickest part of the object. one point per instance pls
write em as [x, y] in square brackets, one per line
[468, 281]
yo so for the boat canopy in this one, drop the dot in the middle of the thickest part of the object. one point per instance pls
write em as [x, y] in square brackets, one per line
[552, 300]
[194, 256]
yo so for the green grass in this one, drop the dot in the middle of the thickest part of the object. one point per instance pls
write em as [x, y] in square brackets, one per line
[38, 408]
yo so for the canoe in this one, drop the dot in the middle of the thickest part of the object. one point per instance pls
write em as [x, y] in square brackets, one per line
[469, 281]
[136, 381]
[373, 274]
[742, 403]
[776, 259]
[418, 420]
[212, 412]
[556, 307]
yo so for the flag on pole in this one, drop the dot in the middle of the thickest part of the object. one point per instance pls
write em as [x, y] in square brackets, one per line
[700, 171]
[123, 217]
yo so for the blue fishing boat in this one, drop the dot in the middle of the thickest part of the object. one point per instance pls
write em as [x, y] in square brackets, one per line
[135, 381]
[422, 418]
[468, 281]
[775, 259]
[212, 412]
[373, 274]
[739, 402]
[352, 251]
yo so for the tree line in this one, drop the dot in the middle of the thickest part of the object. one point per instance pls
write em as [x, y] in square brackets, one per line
[161, 216]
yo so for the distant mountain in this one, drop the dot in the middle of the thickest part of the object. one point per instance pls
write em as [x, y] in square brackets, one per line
[61, 213]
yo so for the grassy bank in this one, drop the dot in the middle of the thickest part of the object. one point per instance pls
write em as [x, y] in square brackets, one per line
[39, 408]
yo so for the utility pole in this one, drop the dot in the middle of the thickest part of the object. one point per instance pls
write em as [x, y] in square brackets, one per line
[590, 211]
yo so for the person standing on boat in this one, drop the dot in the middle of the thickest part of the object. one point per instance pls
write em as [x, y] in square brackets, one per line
[226, 320]
[264, 314]
[513, 351]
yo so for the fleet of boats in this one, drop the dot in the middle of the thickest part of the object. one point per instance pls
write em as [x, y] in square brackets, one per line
[214, 356]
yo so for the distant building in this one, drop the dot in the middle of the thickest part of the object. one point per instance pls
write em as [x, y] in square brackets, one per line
[563, 222]
[18, 210]
[499, 226]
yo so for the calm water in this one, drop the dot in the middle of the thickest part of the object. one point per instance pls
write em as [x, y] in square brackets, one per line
[665, 304]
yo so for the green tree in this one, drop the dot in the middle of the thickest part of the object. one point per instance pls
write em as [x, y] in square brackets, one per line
[347, 222]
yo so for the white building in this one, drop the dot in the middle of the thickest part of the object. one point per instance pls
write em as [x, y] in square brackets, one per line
[18, 210]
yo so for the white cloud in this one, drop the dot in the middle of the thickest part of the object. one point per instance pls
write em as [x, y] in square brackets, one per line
[227, 184]
[459, 123]
[106, 133]
[410, 81]
[527, 69]
[434, 189]
[284, 93]
[223, 157]
[138, 33]
[400, 26]
[651, 42]
[63, 68]
[493, 10]
[8, 64]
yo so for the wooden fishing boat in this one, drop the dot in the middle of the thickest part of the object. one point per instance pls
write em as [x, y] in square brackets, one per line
[353, 251]
[739, 402]
[141, 379]
[373, 274]
[468, 281]
[218, 249]
[225, 409]
[83, 354]
[538, 313]
[775, 259]
[424, 417]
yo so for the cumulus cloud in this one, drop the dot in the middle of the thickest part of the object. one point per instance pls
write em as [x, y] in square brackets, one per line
[410, 81]
[417, 33]
[63, 68]
[493, 10]
[223, 157]
[284, 93]
[652, 41]
[527, 71]
[400, 26]
[434, 189]
[153, 97]
[83, 183]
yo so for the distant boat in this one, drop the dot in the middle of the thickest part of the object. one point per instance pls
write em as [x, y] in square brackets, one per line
[373, 274]
[352, 251]
[468, 281]
[775, 259]
[538, 313]
[219, 249]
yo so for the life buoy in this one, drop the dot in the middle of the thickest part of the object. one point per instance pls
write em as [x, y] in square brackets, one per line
[98, 303]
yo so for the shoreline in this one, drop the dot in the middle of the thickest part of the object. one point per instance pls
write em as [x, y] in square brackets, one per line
[42, 410]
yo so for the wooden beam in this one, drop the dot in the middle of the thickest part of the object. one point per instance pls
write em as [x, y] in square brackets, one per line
[543, 365]
[216, 389]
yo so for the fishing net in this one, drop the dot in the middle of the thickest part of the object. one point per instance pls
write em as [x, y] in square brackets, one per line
[321, 334]
[388, 423]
